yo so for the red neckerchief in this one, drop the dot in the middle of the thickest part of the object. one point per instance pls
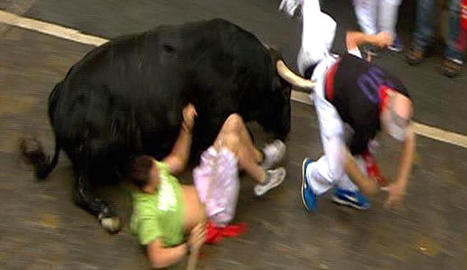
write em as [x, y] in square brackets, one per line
[215, 234]
[383, 97]
[372, 169]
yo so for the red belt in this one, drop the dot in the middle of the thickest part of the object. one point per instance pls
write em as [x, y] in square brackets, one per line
[329, 84]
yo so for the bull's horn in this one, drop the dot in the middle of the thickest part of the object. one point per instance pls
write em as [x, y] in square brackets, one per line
[293, 78]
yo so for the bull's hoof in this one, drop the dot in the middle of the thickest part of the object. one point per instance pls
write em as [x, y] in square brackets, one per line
[111, 224]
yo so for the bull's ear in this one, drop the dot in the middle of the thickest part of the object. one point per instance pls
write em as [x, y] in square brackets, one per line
[275, 56]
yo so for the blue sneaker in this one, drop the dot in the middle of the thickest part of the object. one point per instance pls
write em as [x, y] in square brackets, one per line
[350, 198]
[308, 196]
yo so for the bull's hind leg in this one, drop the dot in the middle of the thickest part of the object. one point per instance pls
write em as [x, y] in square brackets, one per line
[91, 159]
[83, 197]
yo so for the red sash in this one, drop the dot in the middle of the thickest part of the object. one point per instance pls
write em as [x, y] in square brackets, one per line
[329, 81]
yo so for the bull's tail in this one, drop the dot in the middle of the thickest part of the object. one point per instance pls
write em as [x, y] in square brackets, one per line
[53, 99]
[32, 150]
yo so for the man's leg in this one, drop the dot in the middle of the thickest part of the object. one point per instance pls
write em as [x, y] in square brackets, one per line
[347, 193]
[321, 177]
[425, 23]
[236, 138]
[345, 182]
[387, 21]
[424, 31]
[456, 41]
[328, 171]
[271, 153]
[388, 11]
[245, 157]
[366, 11]
[238, 126]
[318, 177]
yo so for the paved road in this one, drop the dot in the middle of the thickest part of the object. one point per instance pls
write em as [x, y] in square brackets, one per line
[41, 229]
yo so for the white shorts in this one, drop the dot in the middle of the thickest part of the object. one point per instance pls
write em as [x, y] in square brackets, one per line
[217, 183]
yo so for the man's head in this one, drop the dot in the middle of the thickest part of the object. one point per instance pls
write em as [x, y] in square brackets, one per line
[144, 173]
[396, 112]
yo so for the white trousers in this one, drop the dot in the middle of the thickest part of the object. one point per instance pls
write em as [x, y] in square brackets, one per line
[329, 170]
[376, 16]
[321, 178]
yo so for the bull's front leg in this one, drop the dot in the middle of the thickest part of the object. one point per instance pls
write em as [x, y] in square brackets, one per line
[83, 197]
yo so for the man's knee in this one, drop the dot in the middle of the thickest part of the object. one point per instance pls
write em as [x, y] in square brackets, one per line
[231, 141]
[233, 123]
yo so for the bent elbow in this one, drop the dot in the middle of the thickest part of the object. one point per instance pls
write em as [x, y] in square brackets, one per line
[157, 263]
[156, 259]
[179, 164]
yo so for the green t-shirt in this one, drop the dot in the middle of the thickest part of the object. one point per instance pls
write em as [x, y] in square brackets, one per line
[159, 215]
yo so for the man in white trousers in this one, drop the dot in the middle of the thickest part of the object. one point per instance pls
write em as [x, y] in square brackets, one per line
[354, 99]
[379, 16]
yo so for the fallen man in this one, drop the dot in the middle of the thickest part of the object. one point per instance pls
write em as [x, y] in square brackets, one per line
[354, 100]
[164, 211]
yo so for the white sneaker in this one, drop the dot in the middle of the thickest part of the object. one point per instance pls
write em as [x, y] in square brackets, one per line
[277, 176]
[273, 153]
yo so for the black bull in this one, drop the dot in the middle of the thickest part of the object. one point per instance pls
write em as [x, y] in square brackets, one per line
[125, 98]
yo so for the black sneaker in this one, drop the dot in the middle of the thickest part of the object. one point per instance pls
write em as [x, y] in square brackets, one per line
[452, 67]
[414, 56]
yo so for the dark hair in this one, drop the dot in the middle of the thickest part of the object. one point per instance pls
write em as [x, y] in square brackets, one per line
[140, 169]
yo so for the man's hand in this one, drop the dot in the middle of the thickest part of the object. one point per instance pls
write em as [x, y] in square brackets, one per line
[189, 114]
[383, 39]
[197, 236]
[177, 159]
[368, 185]
[396, 192]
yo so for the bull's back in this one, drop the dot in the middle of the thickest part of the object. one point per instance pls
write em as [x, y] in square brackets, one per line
[158, 66]
[127, 95]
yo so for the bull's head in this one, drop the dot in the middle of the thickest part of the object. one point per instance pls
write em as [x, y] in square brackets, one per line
[277, 113]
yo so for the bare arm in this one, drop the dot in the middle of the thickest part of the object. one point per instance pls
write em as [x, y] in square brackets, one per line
[355, 39]
[160, 257]
[367, 185]
[397, 190]
[406, 160]
[177, 159]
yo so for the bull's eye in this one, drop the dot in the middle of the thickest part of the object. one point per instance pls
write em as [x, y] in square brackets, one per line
[168, 48]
